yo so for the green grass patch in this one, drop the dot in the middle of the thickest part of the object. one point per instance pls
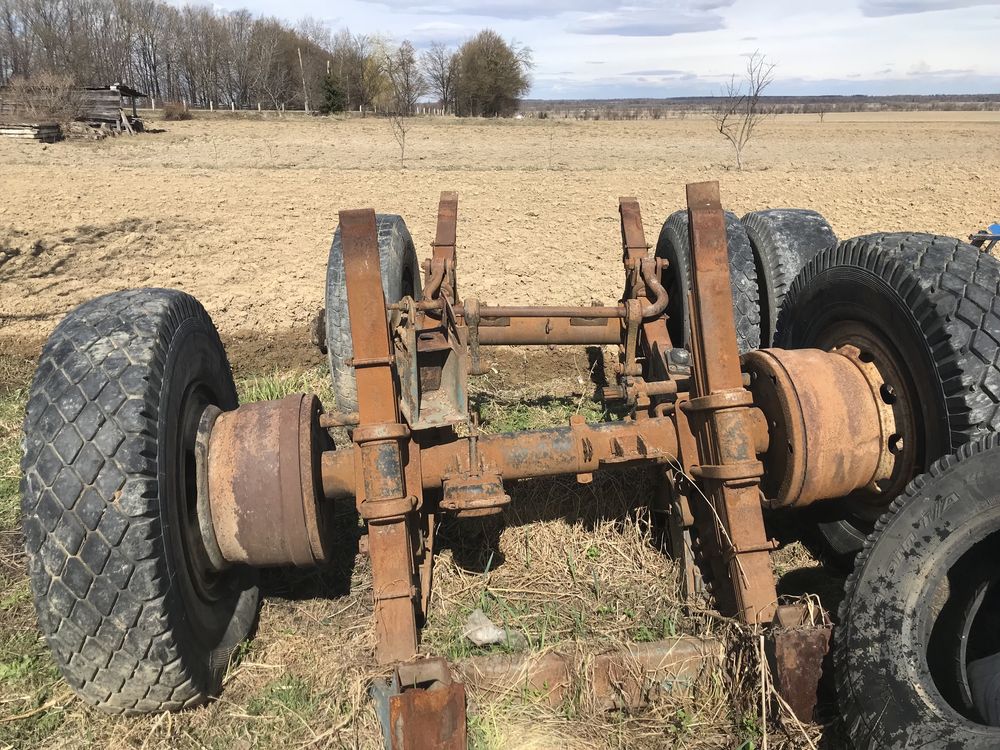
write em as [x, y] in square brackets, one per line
[11, 416]
[509, 413]
[276, 385]
[290, 693]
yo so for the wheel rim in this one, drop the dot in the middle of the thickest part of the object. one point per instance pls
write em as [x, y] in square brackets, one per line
[208, 596]
[207, 583]
[882, 325]
[896, 395]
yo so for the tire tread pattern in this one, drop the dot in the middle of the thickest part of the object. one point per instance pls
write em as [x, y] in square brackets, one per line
[854, 713]
[674, 243]
[783, 241]
[103, 594]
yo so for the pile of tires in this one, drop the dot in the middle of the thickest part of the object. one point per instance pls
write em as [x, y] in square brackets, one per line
[917, 647]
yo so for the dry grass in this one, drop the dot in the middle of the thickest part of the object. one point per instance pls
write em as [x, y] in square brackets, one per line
[571, 567]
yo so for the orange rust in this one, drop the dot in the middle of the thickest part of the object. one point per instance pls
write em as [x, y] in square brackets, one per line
[827, 435]
[577, 330]
[380, 485]
[729, 471]
[263, 483]
[581, 448]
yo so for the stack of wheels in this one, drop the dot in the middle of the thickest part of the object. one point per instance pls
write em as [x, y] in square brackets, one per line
[916, 648]
[766, 251]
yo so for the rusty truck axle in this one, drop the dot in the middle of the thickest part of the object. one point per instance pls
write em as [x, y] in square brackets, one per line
[775, 428]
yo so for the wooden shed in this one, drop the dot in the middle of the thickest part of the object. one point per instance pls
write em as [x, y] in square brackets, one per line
[113, 106]
[106, 103]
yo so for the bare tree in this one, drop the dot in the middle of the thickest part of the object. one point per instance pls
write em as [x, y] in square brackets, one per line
[740, 109]
[405, 78]
[440, 67]
[408, 85]
[399, 124]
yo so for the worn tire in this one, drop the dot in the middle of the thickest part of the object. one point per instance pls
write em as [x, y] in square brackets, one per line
[106, 490]
[400, 278]
[891, 682]
[674, 244]
[783, 240]
[935, 298]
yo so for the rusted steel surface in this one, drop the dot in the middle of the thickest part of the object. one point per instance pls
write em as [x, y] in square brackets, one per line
[654, 340]
[430, 364]
[826, 431]
[422, 707]
[625, 678]
[445, 241]
[384, 500]
[581, 331]
[729, 471]
[797, 647]
[577, 449]
[895, 395]
[264, 483]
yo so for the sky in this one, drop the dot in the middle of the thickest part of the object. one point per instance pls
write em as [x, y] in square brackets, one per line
[661, 48]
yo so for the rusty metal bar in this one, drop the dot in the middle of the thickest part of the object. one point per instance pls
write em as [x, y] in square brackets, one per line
[550, 331]
[627, 677]
[577, 449]
[729, 471]
[445, 241]
[541, 311]
[380, 485]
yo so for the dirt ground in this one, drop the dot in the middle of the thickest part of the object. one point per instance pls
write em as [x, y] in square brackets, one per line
[240, 212]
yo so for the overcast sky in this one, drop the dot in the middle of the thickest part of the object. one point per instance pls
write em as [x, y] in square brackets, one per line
[639, 48]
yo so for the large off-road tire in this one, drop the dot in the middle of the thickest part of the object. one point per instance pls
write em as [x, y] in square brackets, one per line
[783, 240]
[674, 244]
[931, 303]
[921, 614]
[400, 278]
[135, 619]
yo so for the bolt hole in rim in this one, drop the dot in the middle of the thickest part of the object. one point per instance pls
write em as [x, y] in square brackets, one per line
[958, 630]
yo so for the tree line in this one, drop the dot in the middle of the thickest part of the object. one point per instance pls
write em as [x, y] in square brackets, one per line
[202, 57]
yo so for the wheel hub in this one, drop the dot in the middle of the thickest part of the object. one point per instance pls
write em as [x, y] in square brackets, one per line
[894, 397]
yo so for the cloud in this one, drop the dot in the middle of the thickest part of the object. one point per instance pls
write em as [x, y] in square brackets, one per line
[621, 17]
[660, 73]
[446, 32]
[502, 9]
[882, 8]
[923, 70]
[652, 18]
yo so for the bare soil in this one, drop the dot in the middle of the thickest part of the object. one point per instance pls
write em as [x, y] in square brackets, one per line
[240, 212]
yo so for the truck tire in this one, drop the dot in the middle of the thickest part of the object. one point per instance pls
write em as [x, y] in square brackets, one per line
[400, 278]
[135, 619]
[783, 240]
[932, 303]
[916, 650]
[674, 245]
